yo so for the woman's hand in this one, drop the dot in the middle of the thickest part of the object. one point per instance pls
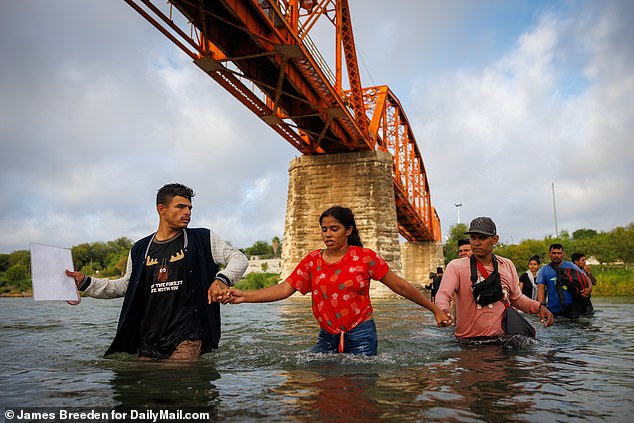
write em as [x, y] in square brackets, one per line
[237, 296]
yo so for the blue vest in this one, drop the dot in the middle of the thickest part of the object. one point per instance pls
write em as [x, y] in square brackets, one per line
[201, 271]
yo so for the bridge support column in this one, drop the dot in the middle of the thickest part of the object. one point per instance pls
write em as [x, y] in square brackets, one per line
[361, 181]
[419, 259]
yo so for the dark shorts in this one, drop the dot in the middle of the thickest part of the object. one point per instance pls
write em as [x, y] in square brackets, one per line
[360, 340]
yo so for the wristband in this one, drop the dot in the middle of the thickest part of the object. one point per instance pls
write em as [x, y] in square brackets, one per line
[85, 283]
[222, 278]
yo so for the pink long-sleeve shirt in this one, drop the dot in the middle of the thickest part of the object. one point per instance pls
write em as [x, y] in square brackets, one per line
[472, 321]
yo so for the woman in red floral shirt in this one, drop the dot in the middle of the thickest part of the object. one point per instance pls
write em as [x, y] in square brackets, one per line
[338, 278]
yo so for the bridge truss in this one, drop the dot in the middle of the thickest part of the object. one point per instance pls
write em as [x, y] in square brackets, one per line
[260, 51]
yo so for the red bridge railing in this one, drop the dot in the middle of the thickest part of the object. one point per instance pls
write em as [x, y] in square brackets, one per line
[260, 51]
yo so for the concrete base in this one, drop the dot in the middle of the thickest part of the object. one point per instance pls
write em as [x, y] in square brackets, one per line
[419, 259]
[361, 181]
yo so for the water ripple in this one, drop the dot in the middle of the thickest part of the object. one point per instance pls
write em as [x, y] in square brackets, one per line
[574, 371]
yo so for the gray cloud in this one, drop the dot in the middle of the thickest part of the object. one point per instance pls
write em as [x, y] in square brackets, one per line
[497, 137]
[98, 110]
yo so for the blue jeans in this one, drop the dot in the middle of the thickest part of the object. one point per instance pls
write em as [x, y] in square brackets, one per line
[360, 340]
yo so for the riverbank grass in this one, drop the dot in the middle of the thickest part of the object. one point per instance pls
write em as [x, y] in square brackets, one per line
[614, 283]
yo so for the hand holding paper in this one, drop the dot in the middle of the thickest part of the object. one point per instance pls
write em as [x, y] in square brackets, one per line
[50, 282]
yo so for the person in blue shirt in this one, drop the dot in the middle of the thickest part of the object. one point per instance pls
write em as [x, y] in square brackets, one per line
[547, 285]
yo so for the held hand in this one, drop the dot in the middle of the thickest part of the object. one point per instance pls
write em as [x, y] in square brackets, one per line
[586, 292]
[545, 316]
[237, 296]
[78, 276]
[443, 318]
[218, 292]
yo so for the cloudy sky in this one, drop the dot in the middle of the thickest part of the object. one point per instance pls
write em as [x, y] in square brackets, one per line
[98, 110]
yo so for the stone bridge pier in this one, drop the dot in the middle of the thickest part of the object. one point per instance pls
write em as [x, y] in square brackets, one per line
[363, 182]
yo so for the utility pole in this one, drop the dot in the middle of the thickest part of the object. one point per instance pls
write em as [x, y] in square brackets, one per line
[555, 211]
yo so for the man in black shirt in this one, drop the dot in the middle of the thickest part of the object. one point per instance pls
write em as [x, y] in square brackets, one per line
[435, 284]
[172, 286]
[580, 260]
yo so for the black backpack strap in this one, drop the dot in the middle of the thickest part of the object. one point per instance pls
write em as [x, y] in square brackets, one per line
[474, 271]
[559, 283]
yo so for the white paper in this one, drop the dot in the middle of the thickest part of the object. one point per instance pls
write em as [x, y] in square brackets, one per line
[47, 273]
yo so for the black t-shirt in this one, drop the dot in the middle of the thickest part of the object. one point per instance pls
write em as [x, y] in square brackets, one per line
[527, 286]
[169, 311]
[435, 285]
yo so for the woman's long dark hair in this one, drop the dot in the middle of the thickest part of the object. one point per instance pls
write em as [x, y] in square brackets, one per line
[345, 216]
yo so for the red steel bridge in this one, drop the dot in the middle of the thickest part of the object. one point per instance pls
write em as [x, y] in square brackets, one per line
[260, 51]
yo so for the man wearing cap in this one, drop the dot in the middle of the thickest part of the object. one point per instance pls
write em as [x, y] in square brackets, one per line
[475, 321]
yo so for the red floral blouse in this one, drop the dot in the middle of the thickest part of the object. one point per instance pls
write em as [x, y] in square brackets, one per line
[340, 291]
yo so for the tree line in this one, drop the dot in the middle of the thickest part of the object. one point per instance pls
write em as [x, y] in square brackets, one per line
[264, 250]
[102, 259]
[105, 259]
[612, 249]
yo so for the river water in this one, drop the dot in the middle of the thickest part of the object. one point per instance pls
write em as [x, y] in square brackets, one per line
[575, 371]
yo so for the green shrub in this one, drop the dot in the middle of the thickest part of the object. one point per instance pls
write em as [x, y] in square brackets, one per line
[614, 282]
[257, 280]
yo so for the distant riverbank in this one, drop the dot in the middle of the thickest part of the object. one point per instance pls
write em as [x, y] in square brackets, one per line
[16, 294]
